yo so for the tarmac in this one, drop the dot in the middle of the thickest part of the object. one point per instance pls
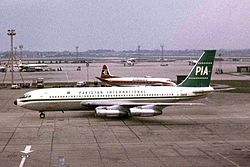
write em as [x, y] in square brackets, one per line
[213, 135]
[69, 72]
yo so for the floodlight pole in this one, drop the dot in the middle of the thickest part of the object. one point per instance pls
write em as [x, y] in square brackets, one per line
[162, 52]
[11, 33]
[21, 51]
[15, 51]
[77, 47]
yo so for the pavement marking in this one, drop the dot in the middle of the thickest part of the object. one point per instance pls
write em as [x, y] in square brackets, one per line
[61, 162]
[13, 133]
[26, 152]
[67, 76]
[228, 160]
[22, 161]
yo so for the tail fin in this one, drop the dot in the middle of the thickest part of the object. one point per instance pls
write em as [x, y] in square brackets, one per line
[105, 73]
[200, 74]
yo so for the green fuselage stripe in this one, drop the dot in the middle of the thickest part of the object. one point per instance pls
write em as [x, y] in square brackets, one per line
[114, 98]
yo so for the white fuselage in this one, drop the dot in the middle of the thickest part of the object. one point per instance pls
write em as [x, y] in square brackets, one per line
[33, 65]
[38, 67]
[63, 99]
[139, 81]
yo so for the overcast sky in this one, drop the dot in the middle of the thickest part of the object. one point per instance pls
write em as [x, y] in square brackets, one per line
[58, 25]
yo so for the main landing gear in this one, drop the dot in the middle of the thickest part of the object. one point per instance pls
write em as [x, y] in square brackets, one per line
[42, 115]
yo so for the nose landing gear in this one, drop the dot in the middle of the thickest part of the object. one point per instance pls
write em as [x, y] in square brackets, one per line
[42, 115]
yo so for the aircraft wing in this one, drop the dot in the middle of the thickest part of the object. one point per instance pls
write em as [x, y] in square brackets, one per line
[111, 103]
[114, 109]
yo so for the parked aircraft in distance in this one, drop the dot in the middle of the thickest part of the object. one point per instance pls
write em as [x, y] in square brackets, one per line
[3, 69]
[109, 79]
[124, 101]
[130, 62]
[32, 67]
[166, 60]
[192, 62]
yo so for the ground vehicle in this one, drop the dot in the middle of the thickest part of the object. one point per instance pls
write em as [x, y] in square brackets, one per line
[39, 83]
[80, 84]
[79, 68]
[15, 86]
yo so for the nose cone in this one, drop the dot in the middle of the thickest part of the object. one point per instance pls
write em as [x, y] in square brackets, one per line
[15, 102]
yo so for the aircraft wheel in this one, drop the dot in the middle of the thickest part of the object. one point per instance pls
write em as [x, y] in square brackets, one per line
[42, 115]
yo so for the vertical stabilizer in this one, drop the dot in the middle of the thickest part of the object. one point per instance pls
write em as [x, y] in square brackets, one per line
[200, 74]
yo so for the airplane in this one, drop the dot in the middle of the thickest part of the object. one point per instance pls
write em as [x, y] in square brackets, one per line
[166, 60]
[130, 62]
[32, 67]
[2, 69]
[142, 101]
[192, 62]
[109, 79]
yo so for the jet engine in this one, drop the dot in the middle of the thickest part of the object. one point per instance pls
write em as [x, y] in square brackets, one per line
[110, 111]
[145, 111]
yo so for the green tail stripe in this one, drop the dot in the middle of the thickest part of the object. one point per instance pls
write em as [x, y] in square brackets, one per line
[200, 75]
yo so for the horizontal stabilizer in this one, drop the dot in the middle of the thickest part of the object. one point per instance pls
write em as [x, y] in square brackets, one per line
[101, 79]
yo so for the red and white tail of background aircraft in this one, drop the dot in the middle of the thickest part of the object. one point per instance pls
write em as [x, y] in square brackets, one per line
[109, 79]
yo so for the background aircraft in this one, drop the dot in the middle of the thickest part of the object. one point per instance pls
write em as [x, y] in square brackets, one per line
[129, 62]
[2, 69]
[192, 62]
[32, 67]
[109, 79]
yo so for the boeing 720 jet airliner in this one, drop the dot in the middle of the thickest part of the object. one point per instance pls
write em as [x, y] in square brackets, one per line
[124, 101]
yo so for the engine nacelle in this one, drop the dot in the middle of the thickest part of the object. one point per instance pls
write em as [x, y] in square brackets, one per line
[110, 111]
[144, 112]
